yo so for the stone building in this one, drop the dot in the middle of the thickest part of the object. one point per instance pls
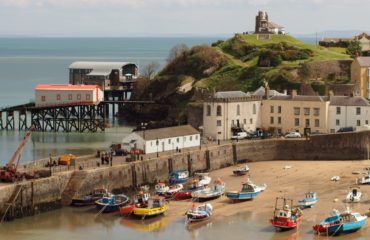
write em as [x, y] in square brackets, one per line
[263, 25]
[360, 75]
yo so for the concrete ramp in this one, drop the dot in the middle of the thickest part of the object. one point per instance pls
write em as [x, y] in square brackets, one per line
[73, 187]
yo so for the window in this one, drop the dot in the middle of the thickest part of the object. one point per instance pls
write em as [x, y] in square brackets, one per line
[178, 140]
[43, 98]
[271, 109]
[272, 120]
[254, 108]
[78, 96]
[332, 130]
[338, 110]
[219, 112]
[69, 96]
[279, 109]
[358, 111]
[169, 140]
[251, 121]
[58, 97]
[366, 122]
[191, 138]
[306, 111]
[238, 109]
[297, 111]
[307, 122]
[87, 96]
[218, 123]
[279, 120]
[316, 111]
[296, 122]
[208, 110]
[337, 122]
[358, 122]
[317, 123]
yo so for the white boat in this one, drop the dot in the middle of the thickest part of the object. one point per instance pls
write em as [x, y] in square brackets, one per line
[199, 213]
[249, 191]
[364, 180]
[335, 178]
[216, 191]
[309, 201]
[163, 190]
[354, 195]
[203, 179]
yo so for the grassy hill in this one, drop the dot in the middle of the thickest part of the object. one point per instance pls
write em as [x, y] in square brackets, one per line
[239, 63]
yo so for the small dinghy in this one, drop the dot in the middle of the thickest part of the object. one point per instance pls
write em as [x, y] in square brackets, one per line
[179, 177]
[206, 194]
[249, 191]
[309, 201]
[241, 171]
[354, 195]
[364, 180]
[339, 223]
[199, 213]
[140, 200]
[111, 202]
[157, 205]
[90, 198]
[285, 217]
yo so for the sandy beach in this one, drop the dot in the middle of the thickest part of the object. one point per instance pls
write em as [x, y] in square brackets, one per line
[303, 176]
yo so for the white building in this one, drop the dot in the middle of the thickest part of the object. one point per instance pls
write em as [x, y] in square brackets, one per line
[348, 112]
[162, 139]
[227, 112]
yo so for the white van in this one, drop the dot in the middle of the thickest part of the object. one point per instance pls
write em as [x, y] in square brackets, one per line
[240, 135]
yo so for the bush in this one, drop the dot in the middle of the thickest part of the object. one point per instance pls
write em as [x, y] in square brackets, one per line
[269, 58]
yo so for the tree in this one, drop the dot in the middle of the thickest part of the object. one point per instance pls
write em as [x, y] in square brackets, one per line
[150, 70]
[177, 51]
[354, 49]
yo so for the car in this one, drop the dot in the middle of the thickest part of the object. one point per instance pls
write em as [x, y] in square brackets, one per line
[293, 135]
[239, 135]
[253, 135]
[346, 129]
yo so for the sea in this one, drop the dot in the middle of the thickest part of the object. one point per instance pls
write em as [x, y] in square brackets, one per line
[26, 62]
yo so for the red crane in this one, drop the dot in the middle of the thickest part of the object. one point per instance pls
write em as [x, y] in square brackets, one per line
[9, 172]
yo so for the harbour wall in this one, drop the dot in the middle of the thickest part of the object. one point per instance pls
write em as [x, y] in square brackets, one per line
[62, 186]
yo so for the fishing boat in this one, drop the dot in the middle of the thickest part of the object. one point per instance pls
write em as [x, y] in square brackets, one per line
[241, 171]
[208, 193]
[339, 223]
[309, 201]
[111, 202]
[199, 213]
[196, 185]
[249, 191]
[179, 177]
[162, 189]
[202, 179]
[354, 195]
[364, 180]
[285, 216]
[90, 198]
[140, 200]
[157, 205]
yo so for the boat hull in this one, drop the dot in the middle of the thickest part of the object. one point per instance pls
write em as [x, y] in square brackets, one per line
[239, 172]
[241, 196]
[284, 223]
[126, 210]
[109, 208]
[83, 202]
[338, 229]
[149, 212]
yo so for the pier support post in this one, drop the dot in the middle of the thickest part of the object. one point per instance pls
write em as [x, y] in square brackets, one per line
[208, 161]
[235, 157]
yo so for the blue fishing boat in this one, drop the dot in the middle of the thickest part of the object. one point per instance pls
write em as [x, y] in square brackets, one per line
[111, 203]
[309, 201]
[340, 223]
[249, 191]
[179, 177]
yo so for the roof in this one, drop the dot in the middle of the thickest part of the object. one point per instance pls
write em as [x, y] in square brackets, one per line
[363, 61]
[65, 87]
[274, 25]
[261, 92]
[169, 132]
[301, 98]
[231, 94]
[335, 40]
[98, 65]
[348, 101]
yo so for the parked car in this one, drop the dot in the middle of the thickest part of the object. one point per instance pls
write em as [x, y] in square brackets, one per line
[240, 135]
[346, 129]
[293, 135]
[253, 135]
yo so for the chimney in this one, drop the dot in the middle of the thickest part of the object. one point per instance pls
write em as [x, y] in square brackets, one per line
[331, 93]
[294, 93]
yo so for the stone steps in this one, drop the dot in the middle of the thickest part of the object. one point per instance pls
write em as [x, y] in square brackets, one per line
[73, 187]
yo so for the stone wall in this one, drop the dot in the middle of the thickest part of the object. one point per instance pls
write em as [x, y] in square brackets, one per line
[344, 146]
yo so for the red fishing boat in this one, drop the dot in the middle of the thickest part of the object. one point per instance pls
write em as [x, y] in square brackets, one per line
[140, 200]
[285, 217]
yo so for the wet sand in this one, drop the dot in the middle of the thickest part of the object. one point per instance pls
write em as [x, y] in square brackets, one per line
[303, 176]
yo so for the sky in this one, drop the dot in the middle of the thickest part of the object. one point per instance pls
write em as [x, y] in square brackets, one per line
[132, 18]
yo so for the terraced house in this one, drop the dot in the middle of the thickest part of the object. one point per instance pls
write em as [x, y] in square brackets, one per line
[295, 113]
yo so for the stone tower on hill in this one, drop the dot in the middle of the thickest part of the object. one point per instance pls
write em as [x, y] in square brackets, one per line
[264, 26]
